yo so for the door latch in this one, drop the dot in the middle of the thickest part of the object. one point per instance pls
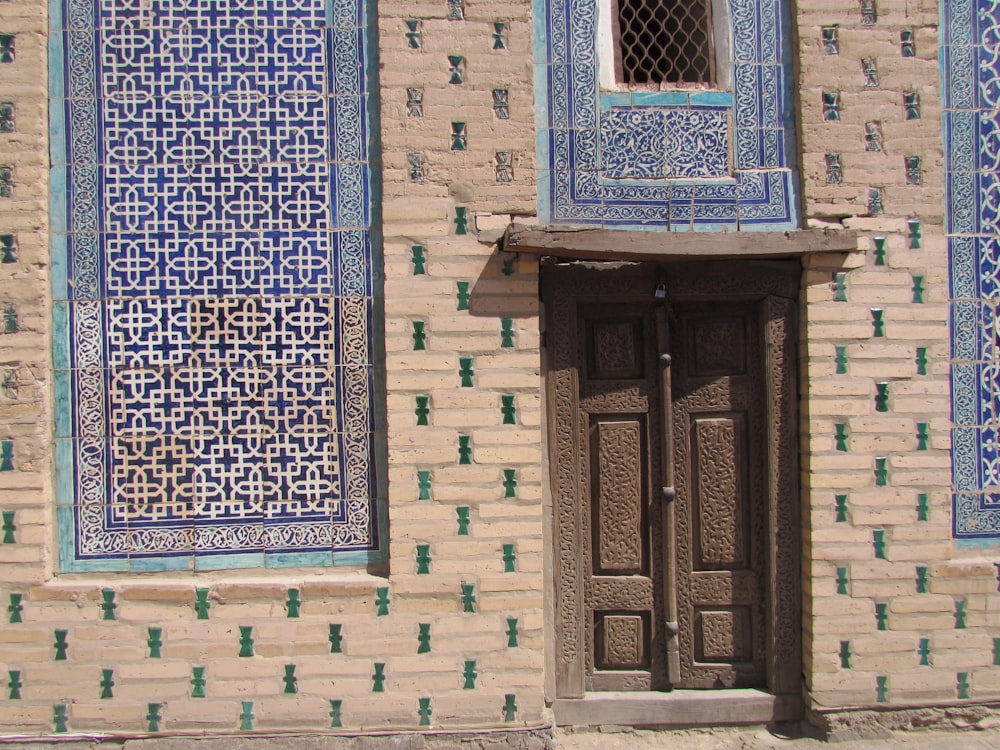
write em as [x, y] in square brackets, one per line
[666, 359]
[669, 494]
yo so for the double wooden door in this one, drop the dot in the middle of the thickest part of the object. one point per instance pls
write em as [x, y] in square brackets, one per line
[672, 401]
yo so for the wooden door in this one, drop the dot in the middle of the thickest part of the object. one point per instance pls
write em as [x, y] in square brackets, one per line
[671, 407]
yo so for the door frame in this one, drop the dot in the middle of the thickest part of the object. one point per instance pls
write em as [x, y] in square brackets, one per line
[774, 285]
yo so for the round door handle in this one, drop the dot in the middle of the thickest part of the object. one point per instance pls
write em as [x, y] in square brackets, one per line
[666, 359]
[669, 494]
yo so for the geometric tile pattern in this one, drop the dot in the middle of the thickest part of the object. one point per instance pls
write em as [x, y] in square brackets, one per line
[971, 69]
[214, 284]
[665, 160]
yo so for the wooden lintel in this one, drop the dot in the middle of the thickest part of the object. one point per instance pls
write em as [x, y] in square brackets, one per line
[616, 244]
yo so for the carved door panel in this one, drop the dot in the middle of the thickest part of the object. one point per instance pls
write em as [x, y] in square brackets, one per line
[674, 477]
[618, 412]
[719, 412]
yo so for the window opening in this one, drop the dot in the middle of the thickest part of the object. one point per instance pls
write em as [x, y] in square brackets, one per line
[663, 41]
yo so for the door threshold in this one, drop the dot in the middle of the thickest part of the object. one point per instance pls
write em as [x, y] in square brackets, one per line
[679, 708]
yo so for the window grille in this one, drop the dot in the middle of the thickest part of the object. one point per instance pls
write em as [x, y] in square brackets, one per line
[665, 41]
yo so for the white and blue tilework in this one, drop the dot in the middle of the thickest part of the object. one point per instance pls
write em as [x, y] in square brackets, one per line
[214, 284]
[665, 160]
[971, 67]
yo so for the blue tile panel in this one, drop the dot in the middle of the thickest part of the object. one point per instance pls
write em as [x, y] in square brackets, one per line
[971, 70]
[214, 308]
[665, 160]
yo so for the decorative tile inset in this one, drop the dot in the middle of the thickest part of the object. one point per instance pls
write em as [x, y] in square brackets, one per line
[14, 684]
[875, 205]
[881, 616]
[7, 117]
[335, 719]
[8, 527]
[506, 333]
[914, 174]
[461, 220]
[466, 371]
[293, 604]
[924, 651]
[469, 674]
[923, 436]
[60, 645]
[841, 507]
[417, 255]
[881, 471]
[869, 13]
[8, 248]
[845, 654]
[198, 682]
[423, 485]
[914, 236]
[382, 601]
[416, 166]
[881, 689]
[246, 716]
[870, 71]
[511, 632]
[501, 29]
[456, 69]
[831, 40]
[906, 43]
[336, 639]
[60, 718]
[414, 102]
[841, 580]
[509, 707]
[878, 543]
[923, 509]
[831, 105]
[107, 683]
[459, 138]
[911, 105]
[456, 10]
[504, 166]
[501, 104]
[246, 641]
[873, 136]
[960, 614]
[154, 641]
[413, 33]
[468, 597]
[834, 171]
[108, 606]
[921, 579]
[290, 680]
[7, 45]
[153, 716]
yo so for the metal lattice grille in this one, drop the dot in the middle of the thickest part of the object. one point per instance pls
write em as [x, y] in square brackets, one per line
[665, 41]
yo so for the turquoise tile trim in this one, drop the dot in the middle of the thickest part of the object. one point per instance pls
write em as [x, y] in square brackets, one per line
[712, 98]
[60, 393]
[661, 99]
[616, 99]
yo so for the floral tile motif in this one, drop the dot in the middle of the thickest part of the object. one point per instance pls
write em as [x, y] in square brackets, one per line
[661, 142]
[971, 89]
[604, 181]
[213, 322]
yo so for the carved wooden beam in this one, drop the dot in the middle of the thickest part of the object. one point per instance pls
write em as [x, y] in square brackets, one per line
[616, 244]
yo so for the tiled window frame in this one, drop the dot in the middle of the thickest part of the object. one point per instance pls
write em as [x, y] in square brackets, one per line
[573, 183]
